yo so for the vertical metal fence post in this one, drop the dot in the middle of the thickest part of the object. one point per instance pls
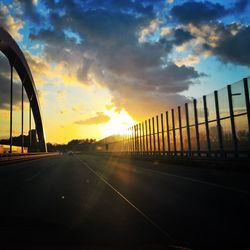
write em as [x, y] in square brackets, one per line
[153, 125]
[143, 138]
[132, 140]
[230, 100]
[246, 90]
[188, 130]
[11, 104]
[128, 140]
[158, 135]
[219, 130]
[174, 139]
[197, 127]
[150, 139]
[162, 135]
[180, 129]
[207, 126]
[136, 140]
[167, 125]
[140, 139]
[146, 128]
[123, 143]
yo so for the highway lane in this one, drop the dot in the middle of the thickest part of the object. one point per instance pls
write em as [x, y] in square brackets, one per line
[197, 207]
[95, 201]
[59, 201]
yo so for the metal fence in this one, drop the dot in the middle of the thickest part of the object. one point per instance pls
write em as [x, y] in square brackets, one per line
[216, 125]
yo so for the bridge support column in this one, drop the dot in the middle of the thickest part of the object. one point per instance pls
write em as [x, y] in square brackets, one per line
[30, 139]
[22, 96]
[22, 138]
[11, 104]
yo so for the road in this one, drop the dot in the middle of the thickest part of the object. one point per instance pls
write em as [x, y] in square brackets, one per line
[110, 203]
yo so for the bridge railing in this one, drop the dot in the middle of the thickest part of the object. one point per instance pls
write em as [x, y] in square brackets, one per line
[215, 125]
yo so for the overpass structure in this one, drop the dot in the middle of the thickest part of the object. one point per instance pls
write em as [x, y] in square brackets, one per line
[214, 126]
[17, 61]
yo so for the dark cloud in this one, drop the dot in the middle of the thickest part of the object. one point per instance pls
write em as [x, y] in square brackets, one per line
[4, 64]
[5, 93]
[234, 48]
[98, 119]
[240, 5]
[5, 85]
[111, 52]
[198, 12]
[182, 36]
[29, 10]
[82, 72]
[202, 12]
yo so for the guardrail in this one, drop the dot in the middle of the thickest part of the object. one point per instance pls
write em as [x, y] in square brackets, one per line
[216, 125]
[14, 158]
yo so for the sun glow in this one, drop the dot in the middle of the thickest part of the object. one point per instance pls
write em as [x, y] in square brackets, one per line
[119, 122]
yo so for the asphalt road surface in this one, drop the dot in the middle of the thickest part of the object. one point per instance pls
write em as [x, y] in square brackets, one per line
[108, 203]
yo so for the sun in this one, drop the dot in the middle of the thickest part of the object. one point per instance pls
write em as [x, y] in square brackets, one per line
[118, 123]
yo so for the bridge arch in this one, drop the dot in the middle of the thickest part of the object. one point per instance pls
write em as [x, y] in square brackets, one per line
[17, 60]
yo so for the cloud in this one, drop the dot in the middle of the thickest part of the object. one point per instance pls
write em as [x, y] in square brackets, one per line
[13, 26]
[234, 48]
[198, 12]
[98, 119]
[203, 12]
[149, 30]
[228, 42]
[188, 60]
[182, 36]
[5, 93]
[61, 94]
[240, 5]
[165, 31]
[28, 8]
[110, 53]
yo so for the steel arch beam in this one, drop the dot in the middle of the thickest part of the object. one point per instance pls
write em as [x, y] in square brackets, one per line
[11, 50]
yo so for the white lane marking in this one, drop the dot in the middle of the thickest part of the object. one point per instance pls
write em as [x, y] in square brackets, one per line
[126, 200]
[28, 161]
[33, 177]
[200, 182]
[39, 173]
[227, 188]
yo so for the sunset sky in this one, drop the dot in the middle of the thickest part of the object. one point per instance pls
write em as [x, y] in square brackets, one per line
[100, 66]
